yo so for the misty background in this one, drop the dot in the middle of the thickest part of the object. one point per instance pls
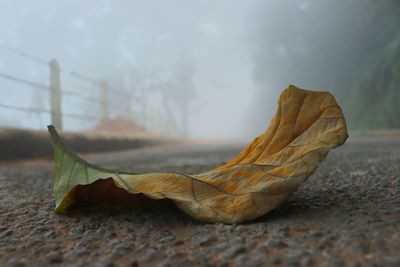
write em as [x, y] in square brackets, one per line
[213, 69]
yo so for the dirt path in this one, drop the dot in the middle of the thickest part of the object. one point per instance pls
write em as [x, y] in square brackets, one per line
[347, 213]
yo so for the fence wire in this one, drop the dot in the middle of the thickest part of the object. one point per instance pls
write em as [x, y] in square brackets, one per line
[47, 88]
[30, 83]
[23, 54]
[44, 87]
[40, 61]
[42, 110]
[79, 76]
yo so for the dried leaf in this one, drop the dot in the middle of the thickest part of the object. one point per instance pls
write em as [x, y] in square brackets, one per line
[305, 127]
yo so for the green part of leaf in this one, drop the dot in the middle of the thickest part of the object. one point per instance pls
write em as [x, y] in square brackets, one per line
[70, 171]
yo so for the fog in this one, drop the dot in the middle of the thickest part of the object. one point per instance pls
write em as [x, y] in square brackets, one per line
[212, 68]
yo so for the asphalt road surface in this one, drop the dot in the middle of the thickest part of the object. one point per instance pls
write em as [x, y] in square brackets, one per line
[346, 214]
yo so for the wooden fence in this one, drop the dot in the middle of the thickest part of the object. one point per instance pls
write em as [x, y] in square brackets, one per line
[149, 118]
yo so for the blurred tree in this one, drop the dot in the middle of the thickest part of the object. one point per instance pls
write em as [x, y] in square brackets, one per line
[349, 47]
[375, 100]
[178, 93]
[183, 91]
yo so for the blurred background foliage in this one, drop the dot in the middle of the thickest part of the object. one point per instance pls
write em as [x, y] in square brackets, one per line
[349, 47]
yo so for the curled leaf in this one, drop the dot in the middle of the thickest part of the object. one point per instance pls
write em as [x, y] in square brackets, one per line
[306, 126]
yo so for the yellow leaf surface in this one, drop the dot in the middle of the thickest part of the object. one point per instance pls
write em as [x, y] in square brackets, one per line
[306, 126]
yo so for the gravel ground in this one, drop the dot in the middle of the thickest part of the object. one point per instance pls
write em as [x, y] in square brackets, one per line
[346, 214]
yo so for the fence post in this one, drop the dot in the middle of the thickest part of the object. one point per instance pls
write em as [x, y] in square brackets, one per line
[104, 103]
[55, 94]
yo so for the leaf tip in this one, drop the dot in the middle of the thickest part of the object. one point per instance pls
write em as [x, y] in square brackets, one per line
[53, 134]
